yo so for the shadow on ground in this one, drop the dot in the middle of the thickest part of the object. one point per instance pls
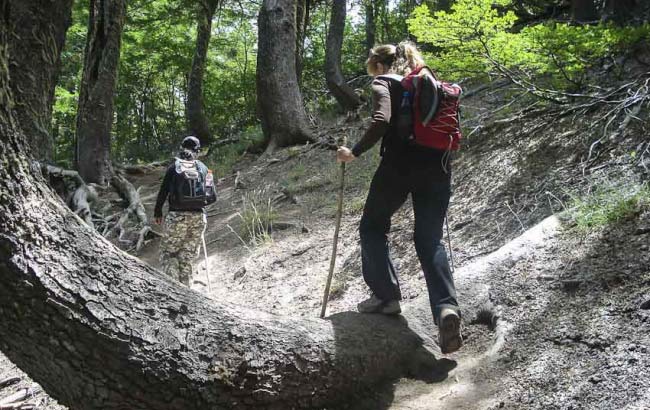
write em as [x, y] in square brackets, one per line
[389, 338]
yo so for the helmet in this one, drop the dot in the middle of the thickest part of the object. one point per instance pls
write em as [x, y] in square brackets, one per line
[191, 143]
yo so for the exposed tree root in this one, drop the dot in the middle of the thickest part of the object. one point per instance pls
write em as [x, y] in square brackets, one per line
[83, 199]
[135, 208]
[76, 193]
[17, 399]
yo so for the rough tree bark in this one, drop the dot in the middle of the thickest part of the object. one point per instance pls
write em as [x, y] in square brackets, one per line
[195, 111]
[584, 11]
[370, 25]
[95, 111]
[344, 94]
[39, 53]
[280, 104]
[98, 329]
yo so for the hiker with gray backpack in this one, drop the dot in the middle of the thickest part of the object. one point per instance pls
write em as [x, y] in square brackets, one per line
[416, 118]
[189, 184]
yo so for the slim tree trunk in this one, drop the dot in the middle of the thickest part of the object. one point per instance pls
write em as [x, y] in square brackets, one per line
[370, 25]
[385, 21]
[195, 111]
[95, 112]
[584, 11]
[280, 104]
[344, 94]
[99, 329]
[39, 53]
[302, 23]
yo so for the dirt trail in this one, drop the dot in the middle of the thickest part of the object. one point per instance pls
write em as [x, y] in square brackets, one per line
[538, 356]
[553, 319]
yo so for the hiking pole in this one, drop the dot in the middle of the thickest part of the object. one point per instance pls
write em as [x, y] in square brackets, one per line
[451, 253]
[339, 213]
[205, 254]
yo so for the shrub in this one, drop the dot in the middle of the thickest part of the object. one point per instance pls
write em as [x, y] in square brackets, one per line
[609, 205]
[222, 159]
[257, 216]
[478, 39]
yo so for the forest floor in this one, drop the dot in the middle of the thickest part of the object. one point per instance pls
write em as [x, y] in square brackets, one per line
[556, 316]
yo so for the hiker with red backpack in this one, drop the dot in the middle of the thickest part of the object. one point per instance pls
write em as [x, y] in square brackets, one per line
[189, 184]
[416, 119]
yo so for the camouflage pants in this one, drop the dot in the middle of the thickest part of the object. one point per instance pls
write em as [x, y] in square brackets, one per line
[181, 244]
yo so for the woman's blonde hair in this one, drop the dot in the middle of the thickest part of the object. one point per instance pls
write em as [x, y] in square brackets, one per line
[400, 59]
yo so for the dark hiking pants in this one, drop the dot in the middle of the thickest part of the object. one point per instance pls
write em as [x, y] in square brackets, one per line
[388, 191]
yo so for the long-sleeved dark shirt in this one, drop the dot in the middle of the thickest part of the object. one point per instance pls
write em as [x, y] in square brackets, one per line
[386, 97]
[386, 94]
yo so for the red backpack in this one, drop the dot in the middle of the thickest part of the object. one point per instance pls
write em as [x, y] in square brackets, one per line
[434, 109]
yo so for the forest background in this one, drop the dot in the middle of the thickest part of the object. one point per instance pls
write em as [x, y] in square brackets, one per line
[556, 122]
[468, 41]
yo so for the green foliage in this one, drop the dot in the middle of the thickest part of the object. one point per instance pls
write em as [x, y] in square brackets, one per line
[222, 159]
[462, 37]
[609, 205]
[564, 51]
[66, 94]
[156, 55]
[477, 39]
[64, 113]
[352, 58]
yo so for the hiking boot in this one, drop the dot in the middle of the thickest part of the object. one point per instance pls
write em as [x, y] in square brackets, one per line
[449, 335]
[376, 305]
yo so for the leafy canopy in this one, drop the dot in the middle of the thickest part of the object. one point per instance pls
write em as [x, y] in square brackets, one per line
[478, 38]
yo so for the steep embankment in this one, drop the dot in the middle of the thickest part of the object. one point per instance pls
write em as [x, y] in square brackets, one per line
[555, 307]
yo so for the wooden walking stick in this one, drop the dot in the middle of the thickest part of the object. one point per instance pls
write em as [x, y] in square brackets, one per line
[339, 213]
[205, 254]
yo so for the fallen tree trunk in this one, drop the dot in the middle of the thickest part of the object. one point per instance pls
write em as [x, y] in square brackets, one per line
[114, 333]
[99, 329]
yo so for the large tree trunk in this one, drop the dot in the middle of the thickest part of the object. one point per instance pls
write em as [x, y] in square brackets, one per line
[195, 110]
[95, 111]
[344, 94]
[370, 25]
[38, 52]
[584, 11]
[280, 105]
[100, 329]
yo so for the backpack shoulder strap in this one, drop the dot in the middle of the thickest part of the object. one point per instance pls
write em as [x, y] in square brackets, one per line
[203, 169]
[394, 77]
[426, 70]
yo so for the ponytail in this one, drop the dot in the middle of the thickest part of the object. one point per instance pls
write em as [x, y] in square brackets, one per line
[408, 58]
[400, 59]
